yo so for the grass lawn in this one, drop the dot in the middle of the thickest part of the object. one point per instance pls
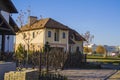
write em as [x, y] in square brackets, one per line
[116, 76]
[101, 57]
[114, 60]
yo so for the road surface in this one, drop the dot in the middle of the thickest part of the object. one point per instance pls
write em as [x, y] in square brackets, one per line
[88, 74]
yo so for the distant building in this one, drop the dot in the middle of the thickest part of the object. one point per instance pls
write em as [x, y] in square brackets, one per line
[38, 32]
[92, 47]
[110, 48]
[118, 49]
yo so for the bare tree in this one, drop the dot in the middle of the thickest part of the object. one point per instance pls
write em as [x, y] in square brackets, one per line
[89, 37]
[21, 19]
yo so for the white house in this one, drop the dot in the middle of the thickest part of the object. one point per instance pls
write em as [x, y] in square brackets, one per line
[34, 36]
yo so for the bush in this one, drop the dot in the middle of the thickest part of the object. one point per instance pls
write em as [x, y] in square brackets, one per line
[20, 55]
[97, 54]
[75, 60]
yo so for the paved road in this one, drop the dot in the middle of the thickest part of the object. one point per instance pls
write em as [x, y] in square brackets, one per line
[87, 74]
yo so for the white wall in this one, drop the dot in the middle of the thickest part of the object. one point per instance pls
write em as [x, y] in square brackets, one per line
[36, 41]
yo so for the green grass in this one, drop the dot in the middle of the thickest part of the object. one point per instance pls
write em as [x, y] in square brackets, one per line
[116, 76]
[101, 59]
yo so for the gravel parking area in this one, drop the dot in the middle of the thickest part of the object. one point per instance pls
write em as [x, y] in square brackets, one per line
[87, 74]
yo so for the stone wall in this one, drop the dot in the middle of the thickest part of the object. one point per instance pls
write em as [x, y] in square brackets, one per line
[22, 75]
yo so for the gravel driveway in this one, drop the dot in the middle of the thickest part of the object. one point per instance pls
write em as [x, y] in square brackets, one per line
[87, 74]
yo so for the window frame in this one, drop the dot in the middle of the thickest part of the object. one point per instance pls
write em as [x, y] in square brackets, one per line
[33, 34]
[63, 35]
[49, 34]
[56, 35]
[24, 35]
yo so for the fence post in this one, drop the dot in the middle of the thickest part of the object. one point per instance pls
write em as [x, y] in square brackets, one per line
[85, 58]
[39, 65]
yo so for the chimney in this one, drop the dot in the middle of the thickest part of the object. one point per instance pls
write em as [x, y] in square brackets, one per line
[32, 19]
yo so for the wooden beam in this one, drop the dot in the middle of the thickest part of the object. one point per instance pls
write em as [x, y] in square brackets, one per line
[1, 28]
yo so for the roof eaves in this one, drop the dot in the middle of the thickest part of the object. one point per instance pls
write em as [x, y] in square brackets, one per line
[8, 25]
[7, 5]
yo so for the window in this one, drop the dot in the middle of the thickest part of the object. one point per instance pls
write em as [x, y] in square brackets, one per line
[33, 34]
[72, 36]
[24, 35]
[77, 49]
[49, 33]
[56, 35]
[63, 35]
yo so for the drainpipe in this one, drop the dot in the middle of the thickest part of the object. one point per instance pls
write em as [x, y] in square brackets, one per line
[68, 42]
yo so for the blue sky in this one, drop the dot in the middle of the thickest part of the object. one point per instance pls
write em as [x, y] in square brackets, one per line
[100, 17]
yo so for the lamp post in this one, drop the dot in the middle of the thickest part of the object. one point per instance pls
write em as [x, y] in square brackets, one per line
[8, 42]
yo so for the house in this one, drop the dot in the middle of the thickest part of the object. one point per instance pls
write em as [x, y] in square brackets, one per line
[35, 34]
[92, 47]
[118, 49]
[7, 26]
[75, 41]
[111, 50]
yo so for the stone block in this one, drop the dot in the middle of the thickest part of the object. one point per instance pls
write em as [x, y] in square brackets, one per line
[22, 75]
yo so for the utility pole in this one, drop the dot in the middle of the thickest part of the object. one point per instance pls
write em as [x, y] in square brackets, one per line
[8, 42]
